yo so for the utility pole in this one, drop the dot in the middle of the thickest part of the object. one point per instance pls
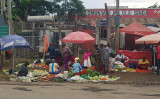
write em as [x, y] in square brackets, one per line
[97, 31]
[9, 17]
[108, 25]
[117, 27]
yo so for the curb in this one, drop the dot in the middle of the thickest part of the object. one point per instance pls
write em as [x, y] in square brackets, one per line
[142, 83]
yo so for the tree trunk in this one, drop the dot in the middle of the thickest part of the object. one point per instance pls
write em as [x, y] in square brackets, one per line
[1, 62]
[26, 14]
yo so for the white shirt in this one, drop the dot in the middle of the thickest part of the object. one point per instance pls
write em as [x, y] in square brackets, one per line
[120, 56]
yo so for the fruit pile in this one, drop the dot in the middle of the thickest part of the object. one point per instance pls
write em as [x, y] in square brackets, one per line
[130, 70]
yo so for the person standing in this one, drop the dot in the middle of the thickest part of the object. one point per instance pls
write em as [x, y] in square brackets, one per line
[58, 55]
[87, 60]
[158, 59]
[97, 58]
[104, 59]
[66, 57]
[51, 50]
[109, 49]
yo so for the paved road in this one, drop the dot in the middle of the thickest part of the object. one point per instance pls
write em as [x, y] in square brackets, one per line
[79, 91]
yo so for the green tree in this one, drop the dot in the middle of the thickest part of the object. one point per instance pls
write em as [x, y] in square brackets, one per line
[155, 6]
[63, 8]
[23, 8]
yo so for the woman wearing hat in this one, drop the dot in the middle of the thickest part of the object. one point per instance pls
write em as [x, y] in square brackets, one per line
[77, 69]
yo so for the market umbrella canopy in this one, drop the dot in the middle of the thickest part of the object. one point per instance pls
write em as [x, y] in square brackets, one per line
[137, 29]
[13, 41]
[149, 39]
[78, 37]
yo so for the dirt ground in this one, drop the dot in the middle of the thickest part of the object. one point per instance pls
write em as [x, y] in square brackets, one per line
[133, 76]
[78, 91]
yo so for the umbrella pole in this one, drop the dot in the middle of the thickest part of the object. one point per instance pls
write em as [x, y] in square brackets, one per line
[13, 60]
[78, 49]
[154, 58]
[44, 55]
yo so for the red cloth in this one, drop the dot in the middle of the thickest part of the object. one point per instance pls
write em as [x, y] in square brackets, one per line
[72, 59]
[158, 50]
[45, 44]
[81, 73]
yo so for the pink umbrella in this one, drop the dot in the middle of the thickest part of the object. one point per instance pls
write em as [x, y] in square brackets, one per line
[149, 39]
[78, 37]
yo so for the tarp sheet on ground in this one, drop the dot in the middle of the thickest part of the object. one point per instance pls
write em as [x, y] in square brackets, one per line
[133, 57]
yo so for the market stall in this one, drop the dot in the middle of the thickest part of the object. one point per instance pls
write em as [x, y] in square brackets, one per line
[135, 31]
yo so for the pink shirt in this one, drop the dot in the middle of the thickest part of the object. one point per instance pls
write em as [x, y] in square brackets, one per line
[86, 55]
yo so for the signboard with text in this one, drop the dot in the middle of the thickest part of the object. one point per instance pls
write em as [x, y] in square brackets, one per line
[124, 13]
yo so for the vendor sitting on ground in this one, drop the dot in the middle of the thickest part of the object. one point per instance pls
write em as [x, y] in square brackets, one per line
[120, 57]
[23, 71]
[54, 67]
[77, 69]
[143, 64]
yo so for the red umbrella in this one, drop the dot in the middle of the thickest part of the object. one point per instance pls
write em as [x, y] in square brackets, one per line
[137, 29]
[78, 37]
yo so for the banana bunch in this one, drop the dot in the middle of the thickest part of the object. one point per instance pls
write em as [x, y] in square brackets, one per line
[130, 70]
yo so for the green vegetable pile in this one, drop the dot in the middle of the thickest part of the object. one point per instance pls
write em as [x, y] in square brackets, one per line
[92, 73]
[70, 73]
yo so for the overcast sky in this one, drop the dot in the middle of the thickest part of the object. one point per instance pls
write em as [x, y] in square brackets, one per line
[130, 3]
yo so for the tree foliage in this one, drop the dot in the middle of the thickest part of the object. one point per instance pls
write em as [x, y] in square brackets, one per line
[156, 5]
[23, 8]
[67, 7]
